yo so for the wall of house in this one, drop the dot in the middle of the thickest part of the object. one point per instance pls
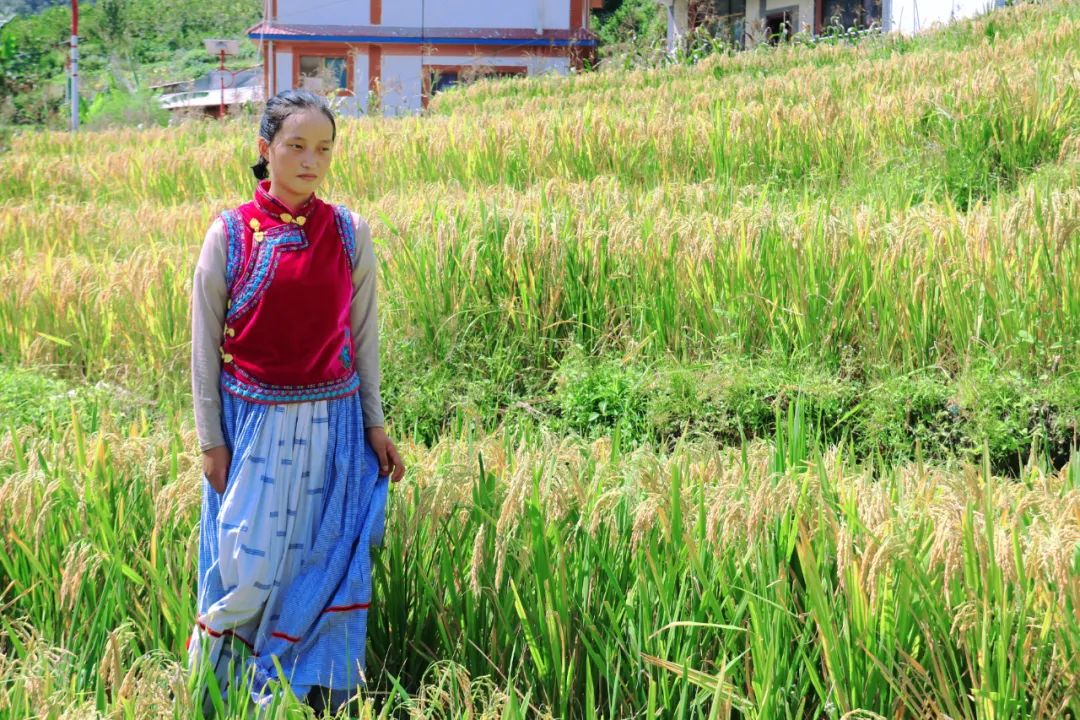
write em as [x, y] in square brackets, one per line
[402, 75]
[361, 65]
[399, 68]
[756, 10]
[402, 86]
[912, 16]
[325, 12]
[545, 14]
[283, 64]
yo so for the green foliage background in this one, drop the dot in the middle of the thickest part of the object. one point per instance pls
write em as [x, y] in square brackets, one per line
[125, 46]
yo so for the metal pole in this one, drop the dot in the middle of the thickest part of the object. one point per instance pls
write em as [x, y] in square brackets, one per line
[74, 65]
[222, 78]
[671, 31]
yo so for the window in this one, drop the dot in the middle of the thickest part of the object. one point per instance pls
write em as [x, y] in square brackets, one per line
[850, 13]
[322, 73]
[722, 19]
[443, 80]
[779, 25]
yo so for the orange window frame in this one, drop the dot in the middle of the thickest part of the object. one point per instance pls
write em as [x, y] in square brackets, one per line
[348, 55]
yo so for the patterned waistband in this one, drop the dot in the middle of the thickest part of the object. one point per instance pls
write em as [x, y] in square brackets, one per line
[255, 391]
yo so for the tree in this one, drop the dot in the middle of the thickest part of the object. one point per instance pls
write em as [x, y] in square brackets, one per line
[122, 42]
[630, 27]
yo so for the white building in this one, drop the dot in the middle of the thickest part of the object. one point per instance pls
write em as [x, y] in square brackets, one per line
[399, 53]
[759, 21]
[214, 92]
[912, 16]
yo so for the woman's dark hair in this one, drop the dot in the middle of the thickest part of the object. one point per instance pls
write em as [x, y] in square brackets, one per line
[281, 106]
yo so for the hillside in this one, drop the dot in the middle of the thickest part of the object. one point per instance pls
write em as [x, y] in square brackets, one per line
[772, 204]
[125, 47]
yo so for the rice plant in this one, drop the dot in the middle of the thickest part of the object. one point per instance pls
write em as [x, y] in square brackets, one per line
[902, 212]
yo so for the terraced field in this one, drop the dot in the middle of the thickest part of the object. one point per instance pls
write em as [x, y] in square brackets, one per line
[743, 389]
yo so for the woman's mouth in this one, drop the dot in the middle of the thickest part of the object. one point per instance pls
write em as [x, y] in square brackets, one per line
[308, 176]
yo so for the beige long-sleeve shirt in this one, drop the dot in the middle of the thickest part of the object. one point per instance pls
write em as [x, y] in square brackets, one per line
[209, 297]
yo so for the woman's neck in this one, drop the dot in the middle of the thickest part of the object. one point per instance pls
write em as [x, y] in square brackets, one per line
[290, 199]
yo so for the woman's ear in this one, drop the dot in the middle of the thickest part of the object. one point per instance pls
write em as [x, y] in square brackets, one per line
[264, 148]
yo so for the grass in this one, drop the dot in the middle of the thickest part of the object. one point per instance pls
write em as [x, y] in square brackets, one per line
[547, 569]
[747, 389]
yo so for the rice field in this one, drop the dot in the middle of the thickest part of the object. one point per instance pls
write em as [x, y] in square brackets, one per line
[748, 389]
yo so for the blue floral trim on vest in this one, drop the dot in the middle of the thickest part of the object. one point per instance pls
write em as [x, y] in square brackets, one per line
[252, 287]
[246, 387]
[347, 231]
[234, 229]
[346, 356]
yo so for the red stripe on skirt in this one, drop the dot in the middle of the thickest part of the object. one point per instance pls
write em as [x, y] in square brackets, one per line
[283, 636]
[344, 608]
[216, 634]
[278, 634]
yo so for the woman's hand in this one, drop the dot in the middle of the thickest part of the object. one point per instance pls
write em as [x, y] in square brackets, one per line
[389, 459]
[215, 464]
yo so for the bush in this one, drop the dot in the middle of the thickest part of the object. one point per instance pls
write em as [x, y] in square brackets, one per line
[901, 411]
[1011, 413]
[30, 398]
[631, 32]
[732, 399]
[594, 396]
[115, 108]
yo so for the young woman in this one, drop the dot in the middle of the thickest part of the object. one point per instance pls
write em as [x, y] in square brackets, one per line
[285, 382]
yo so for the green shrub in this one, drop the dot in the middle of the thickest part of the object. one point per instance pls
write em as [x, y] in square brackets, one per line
[29, 398]
[903, 410]
[594, 396]
[1011, 412]
[117, 108]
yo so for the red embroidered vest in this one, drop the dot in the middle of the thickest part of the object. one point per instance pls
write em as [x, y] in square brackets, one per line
[289, 275]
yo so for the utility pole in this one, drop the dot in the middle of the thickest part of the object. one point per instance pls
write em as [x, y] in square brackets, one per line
[74, 65]
[221, 106]
[221, 48]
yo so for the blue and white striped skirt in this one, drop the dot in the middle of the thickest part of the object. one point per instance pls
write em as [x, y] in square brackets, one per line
[284, 552]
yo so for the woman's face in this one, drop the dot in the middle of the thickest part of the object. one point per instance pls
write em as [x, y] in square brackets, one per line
[300, 154]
